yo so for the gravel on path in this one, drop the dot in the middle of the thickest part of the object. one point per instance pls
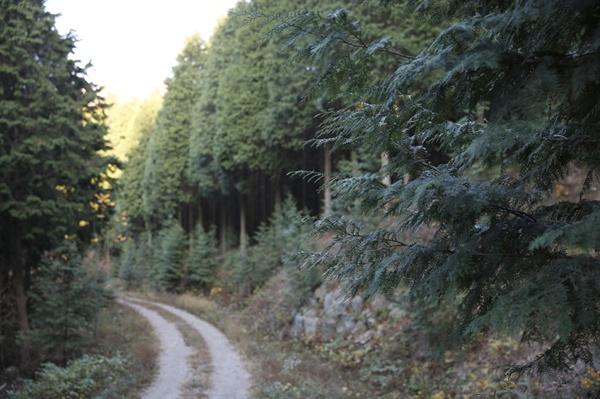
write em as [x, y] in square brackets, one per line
[173, 368]
[230, 380]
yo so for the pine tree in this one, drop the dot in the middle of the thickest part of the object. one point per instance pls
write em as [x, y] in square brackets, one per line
[510, 88]
[51, 132]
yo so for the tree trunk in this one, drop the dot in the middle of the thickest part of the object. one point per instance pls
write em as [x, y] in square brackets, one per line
[328, 168]
[200, 219]
[277, 194]
[223, 228]
[18, 274]
[243, 227]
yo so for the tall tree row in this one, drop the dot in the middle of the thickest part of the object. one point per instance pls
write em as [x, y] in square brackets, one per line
[235, 122]
[52, 177]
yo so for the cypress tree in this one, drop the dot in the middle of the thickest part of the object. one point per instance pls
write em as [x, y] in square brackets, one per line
[171, 258]
[51, 132]
[201, 261]
[67, 299]
[166, 183]
[508, 88]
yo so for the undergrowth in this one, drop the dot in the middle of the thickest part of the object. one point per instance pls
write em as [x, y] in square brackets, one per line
[119, 361]
[399, 364]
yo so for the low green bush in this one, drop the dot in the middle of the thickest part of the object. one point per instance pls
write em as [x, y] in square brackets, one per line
[90, 376]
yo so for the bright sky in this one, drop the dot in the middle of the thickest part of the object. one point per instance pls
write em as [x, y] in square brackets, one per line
[133, 44]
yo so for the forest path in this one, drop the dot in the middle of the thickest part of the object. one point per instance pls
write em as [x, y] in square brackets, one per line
[229, 379]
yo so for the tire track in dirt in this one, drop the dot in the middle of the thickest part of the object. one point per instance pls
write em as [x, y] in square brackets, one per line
[229, 379]
[173, 368]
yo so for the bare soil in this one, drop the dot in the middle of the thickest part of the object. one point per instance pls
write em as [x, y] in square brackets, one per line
[229, 379]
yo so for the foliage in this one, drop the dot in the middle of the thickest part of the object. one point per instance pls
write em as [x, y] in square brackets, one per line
[170, 264]
[286, 233]
[130, 190]
[165, 182]
[53, 179]
[90, 376]
[67, 298]
[51, 129]
[128, 265]
[201, 261]
[513, 84]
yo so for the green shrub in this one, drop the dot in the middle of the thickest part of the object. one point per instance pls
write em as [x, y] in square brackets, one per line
[67, 297]
[286, 233]
[84, 378]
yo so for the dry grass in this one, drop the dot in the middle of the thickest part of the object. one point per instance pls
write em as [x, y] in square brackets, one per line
[121, 329]
[199, 361]
[286, 368]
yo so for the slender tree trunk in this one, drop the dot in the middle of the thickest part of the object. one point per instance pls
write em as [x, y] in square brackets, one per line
[17, 264]
[200, 219]
[328, 168]
[223, 228]
[191, 222]
[243, 227]
[4, 287]
[278, 207]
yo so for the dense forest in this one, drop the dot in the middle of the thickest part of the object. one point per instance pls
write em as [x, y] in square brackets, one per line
[383, 145]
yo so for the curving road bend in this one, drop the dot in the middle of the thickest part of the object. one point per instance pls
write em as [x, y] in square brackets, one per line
[229, 379]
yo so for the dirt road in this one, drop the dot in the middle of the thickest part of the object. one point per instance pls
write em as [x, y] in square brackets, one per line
[229, 380]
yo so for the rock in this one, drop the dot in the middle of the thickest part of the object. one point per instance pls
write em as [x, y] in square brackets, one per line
[356, 304]
[328, 327]
[365, 337]
[319, 294]
[334, 304]
[304, 325]
[367, 317]
[346, 323]
[359, 329]
[397, 314]
[378, 303]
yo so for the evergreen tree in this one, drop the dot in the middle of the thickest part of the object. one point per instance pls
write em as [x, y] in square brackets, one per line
[201, 261]
[67, 299]
[51, 132]
[166, 184]
[131, 188]
[508, 87]
[171, 259]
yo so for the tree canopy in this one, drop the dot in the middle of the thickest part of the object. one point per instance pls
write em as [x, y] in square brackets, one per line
[510, 90]
[53, 181]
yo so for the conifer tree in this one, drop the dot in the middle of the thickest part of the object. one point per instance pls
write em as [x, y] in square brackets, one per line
[171, 258]
[51, 132]
[166, 183]
[510, 88]
[67, 299]
[131, 188]
[201, 261]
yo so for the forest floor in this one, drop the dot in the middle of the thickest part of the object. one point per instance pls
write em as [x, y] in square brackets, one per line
[227, 376]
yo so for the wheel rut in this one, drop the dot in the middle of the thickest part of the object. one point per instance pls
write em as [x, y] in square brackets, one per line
[229, 378]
